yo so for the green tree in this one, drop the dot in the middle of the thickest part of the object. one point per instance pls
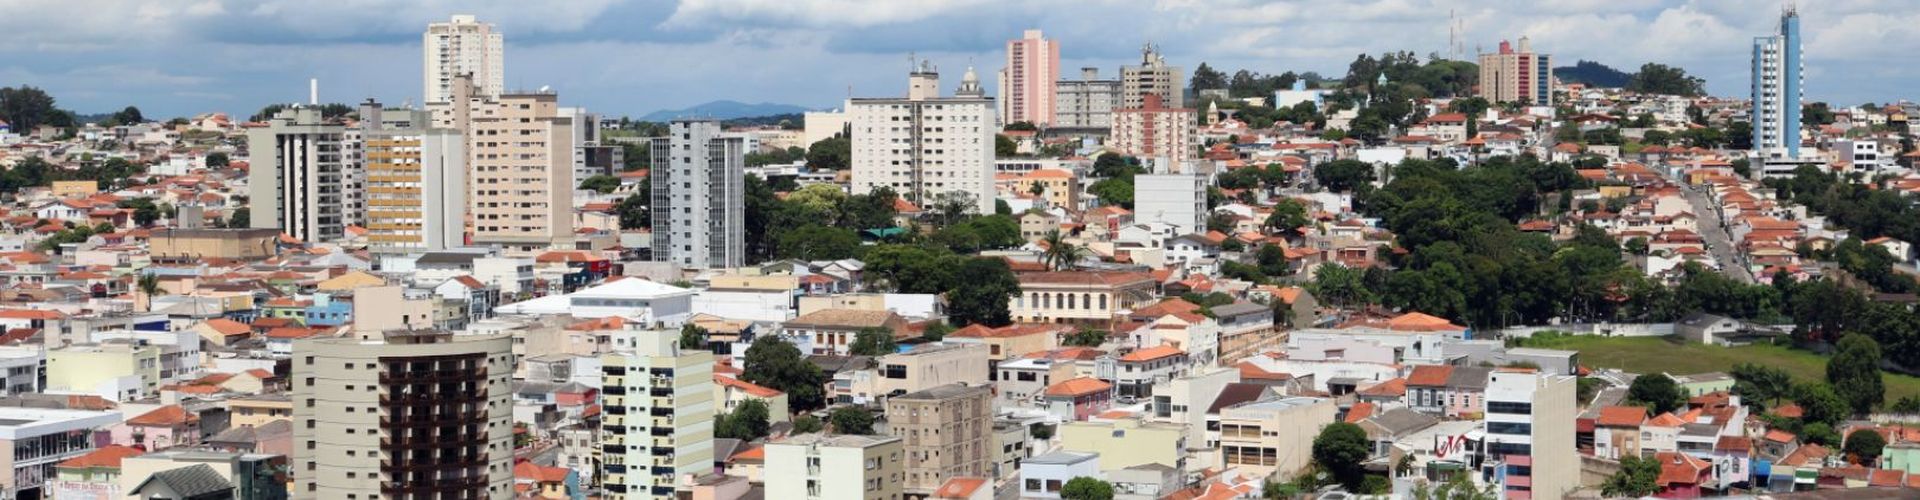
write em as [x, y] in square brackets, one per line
[851, 420]
[1288, 214]
[1340, 449]
[936, 330]
[1086, 488]
[1060, 254]
[636, 212]
[1820, 433]
[774, 363]
[1863, 446]
[873, 341]
[1458, 487]
[240, 218]
[1761, 384]
[747, 422]
[25, 108]
[1655, 78]
[1086, 337]
[1021, 126]
[819, 243]
[1004, 147]
[145, 213]
[1343, 175]
[807, 424]
[1207, 78]
[833, 153]
[601, 183]
[217, 159]
[150, 284]
[1657, 392]
[692, 337]
[1637, 477]
[1113, 192]
[982, 297]
[1821, 404]
[1854, 372]
[1907, 405]
[128, 116]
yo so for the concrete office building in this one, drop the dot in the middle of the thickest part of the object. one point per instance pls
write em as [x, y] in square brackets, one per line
[592, 154]
[1026, 84]
[36, 440]
[1517, 75]
[416, 181]
[926, 147]
[825, 466]
[1152, 77]
[299, 182]
[403, 414]
[948, 433]
[520, 151]
[657, 428]
[462, 46]
[1777, 90]
[1529, 427]
[1154, 130]
[1275, 436]
[699, 196]
[1086, 103]
[1176, 199]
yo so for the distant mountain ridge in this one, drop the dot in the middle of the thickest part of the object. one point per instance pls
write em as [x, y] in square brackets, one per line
[1592, 74]
[726, 110]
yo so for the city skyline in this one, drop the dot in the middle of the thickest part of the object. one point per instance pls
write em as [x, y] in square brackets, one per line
[224, 56]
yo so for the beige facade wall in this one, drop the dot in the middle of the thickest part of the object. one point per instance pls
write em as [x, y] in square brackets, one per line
[1126, 443]
[948, 433]
[185, 245]
[656, 387]
[382, 308]
[1270, 437]
[834, 467]
[520, 167]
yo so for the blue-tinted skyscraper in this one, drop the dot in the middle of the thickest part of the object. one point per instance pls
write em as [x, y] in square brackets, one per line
[1776, 89]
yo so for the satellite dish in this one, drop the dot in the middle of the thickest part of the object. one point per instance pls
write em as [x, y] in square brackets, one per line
[546, 88]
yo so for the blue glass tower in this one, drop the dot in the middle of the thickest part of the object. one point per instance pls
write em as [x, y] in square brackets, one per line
[1777, 89]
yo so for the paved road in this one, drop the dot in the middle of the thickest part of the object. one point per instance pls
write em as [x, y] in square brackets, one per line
[1719, 240]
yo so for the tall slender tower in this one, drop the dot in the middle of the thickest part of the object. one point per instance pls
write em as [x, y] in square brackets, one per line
[1027, 83]
[1776, 89]
[462, 46]
[698, 196]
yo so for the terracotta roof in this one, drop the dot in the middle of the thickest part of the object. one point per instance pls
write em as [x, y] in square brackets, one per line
[228, 327]
[1665, 420]
[1734, 443]
[1430, 375]
[1393, 387]
[748, 387]
[169, 415]
[1417, 321]
[1250, 371]
[959, 487]
[106, 456]
[39, 314]
[1621, 416]
[1887, 478]
[1679, 468]
[1078, 387]
[1780, 436]
[1359, 411]
[539, 473]
[1152, 353]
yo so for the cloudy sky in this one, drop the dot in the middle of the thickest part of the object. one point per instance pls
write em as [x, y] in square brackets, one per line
[180, 57]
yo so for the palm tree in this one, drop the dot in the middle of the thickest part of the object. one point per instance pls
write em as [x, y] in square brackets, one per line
[1060, 254]
[150, 284]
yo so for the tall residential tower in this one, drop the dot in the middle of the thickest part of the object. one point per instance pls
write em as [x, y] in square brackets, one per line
[462, 46]
[1517, 75]
[699, 196]
[923, 146]
[1152, 76]
[1776, 90]
[1027, 83]
[299, 182]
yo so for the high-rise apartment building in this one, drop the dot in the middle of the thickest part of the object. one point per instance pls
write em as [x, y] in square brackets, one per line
[520, 151]
[416, 178]
[657, 427]
[826, 466]
[948, 432]
[1026, 84]
[699, 198]
[1776, 90]
[926, 147]
[1152, 77]
[462, 46]
[1517, 75]
[403, 415]
[1153, 130]
[1086, 103]
[1529, 423]
[299, 183]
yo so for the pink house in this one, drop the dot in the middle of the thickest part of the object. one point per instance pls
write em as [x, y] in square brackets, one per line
[1681, 475]
[159, 429]
[1078, 399]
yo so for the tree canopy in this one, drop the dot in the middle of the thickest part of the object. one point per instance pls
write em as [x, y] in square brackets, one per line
[1340, 449]
[774, 363]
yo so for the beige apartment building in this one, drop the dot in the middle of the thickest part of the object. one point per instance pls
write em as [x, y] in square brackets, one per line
[416, 182]
[404, 415]
[925, 367]
[1151, 77]
[520, 151]
[825, 466]
[1520, 76]
[175, 245]
[1127, 442]
[947, 431]
[259, 409]
[1082, 297]
[657, 428]
[1273, 436]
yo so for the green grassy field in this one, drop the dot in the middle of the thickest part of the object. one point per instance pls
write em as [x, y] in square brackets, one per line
[1657, 354]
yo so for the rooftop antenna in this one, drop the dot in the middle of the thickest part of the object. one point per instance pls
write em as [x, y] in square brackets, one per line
[313, 91]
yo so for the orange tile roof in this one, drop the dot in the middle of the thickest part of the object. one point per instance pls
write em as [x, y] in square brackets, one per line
[1393, 387]
[1780, 436]
[1250, 371]
[39, 314]
[1078, 387]
[1679, 468]
[1621, 416]
[1152, 353]
[754, 453]
[959, 487]
[228, 327]
[1359, 411]
[1417, 321]
[539, 473]
[1429, 375]
[169, 415]
[106, 456]
[750, 388]
[1665, 420]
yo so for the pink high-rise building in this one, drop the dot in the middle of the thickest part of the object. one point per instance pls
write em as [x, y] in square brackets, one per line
[1026, 84]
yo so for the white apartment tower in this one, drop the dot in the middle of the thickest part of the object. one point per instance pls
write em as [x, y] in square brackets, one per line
[699, 197]
[299, 180]
[462, 46]
[924, 146]
[1086, 103]
[403, 415]
[1027, 83]
[1529, 432]
[658, 425]
[1777, 89]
